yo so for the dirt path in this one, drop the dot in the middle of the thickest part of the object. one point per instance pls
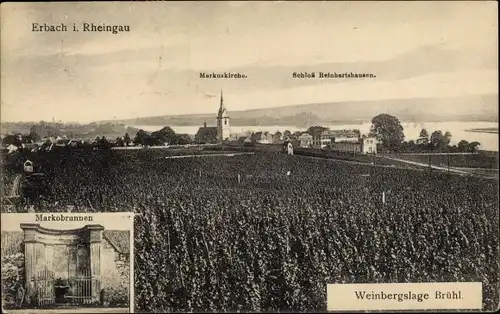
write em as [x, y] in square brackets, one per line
[427, 165]
[476, 172]
[209, 155]
[361, 163]
[418, 166]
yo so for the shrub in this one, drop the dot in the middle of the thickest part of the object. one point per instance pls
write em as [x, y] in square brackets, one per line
[12, 278]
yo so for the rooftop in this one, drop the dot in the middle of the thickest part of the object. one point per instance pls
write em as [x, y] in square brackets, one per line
[346, 133]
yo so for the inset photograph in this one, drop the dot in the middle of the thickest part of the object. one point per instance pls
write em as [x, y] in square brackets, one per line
[64, 262]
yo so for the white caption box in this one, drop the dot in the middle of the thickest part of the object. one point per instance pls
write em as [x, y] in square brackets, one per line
[405, 296]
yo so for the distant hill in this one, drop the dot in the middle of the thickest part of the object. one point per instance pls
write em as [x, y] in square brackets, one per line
[468, 108]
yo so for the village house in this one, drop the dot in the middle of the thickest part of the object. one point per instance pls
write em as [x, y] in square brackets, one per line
[33, 147]
[335, 136]
[345, 141]
[244, 140]
[328, 137]
[206, 135]
[364, 145]
[233, 137]
[262, 138]
[306, 140]
[11, 148]
[369, 145]
[422, 140]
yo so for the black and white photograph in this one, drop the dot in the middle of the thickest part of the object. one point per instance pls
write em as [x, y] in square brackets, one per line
[291, 156]
[63, 263]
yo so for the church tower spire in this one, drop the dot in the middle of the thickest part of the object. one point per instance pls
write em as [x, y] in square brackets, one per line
[221, 108]
[222, 120]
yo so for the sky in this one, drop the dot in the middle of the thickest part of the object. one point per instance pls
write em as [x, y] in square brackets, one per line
[110, 221]
[415, 49]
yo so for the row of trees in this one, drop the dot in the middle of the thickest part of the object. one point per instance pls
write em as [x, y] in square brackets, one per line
[167, 136]
[53, 129]
[389, 132]
[42, 130]
[441, 141]
[161, 137]
[286, 135]
[19, 139]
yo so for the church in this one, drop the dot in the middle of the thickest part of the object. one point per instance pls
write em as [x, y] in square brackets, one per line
[218, 134]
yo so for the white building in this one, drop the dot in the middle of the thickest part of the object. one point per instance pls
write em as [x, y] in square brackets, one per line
[365, 145]
[369, 145]
[329, 137]
[263, 137]
[306, 140]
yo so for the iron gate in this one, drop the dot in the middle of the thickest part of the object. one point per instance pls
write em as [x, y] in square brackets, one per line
[80, 289]
[84, 289]
[44, 282]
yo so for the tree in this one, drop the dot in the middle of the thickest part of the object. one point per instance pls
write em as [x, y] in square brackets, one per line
[32, 136]
[183, 139]
[463, 146]
[126, 139]
[132, 130]
[296, 134]
[277, 136]
[165, 135]
[11, 140]
[447, 138]
[473, 146]
[388, 130]
[142, 137]
[439, 140]
[424, 134]
[119, 141]
[316, 131]
[423, 137]
[411, 146]
[287, 135]
[253, 137]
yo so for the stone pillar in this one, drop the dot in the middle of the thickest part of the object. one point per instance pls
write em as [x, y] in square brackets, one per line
[49, 257]
[30, 259]
[95, 244]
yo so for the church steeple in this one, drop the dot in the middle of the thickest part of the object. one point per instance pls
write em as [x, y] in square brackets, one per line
[221, 108]
[222, 120]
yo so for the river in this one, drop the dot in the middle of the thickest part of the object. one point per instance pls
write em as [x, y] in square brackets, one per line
[458, 130]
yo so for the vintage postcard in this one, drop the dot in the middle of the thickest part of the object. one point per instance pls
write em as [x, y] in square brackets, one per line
[67, 262]
[292, 156]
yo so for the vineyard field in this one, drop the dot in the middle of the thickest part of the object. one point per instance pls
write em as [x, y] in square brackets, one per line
[206, 240]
